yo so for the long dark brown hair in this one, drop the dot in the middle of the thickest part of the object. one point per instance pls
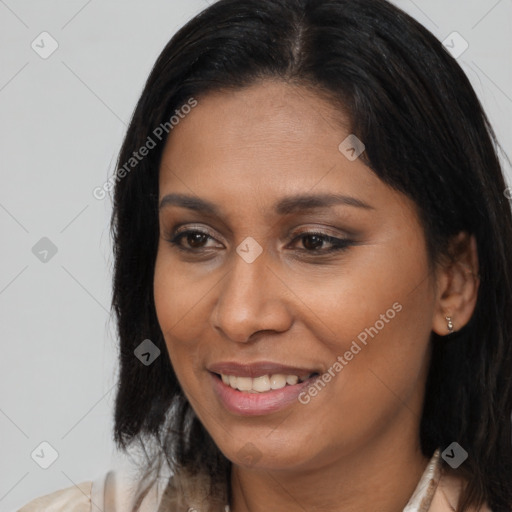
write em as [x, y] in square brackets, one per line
[426, 135]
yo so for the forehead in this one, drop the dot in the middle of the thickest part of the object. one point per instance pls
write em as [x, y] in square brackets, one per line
[273, 107]
[254, 145]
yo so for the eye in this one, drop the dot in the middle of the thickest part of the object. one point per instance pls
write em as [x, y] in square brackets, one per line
[314, 242]
[195, 239]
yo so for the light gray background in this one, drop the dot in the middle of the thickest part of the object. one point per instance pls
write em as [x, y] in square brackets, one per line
[62, 120]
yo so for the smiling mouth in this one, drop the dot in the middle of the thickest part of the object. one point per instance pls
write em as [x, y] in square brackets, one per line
[263, 383]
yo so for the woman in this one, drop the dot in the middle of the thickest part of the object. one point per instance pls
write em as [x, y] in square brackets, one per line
[312, 282]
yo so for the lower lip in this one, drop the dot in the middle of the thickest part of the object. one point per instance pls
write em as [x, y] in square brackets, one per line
[254, 404]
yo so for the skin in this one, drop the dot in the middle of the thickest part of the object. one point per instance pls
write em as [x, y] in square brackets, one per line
[356, 445]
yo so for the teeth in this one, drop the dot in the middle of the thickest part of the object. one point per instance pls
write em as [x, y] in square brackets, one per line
[292, 379]
[261, 384]
[243, 383]
[278, 381]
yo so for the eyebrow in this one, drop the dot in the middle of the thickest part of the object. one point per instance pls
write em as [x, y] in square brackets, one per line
[285, 206]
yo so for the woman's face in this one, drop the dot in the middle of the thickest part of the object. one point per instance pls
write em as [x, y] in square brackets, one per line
[303, 270]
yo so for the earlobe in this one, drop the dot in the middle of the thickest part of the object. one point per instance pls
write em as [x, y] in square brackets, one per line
[457, 286]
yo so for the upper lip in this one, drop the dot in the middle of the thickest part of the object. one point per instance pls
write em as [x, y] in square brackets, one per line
[258, 369]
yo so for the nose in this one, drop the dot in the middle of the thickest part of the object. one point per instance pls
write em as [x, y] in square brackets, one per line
[252, 298]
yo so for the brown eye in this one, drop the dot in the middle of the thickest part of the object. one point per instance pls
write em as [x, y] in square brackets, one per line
[313, 242]
[194, 240]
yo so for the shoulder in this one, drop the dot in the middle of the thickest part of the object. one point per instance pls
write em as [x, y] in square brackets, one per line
[117, 490]
[71, 499]
[447, 495]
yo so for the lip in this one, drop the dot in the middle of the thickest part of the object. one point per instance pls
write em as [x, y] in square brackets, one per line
[257, 404]
[259, 368]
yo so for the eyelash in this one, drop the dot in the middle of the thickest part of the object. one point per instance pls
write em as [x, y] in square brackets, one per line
[339, 244]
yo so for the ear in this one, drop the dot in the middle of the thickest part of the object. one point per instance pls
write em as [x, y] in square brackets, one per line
[457, 285]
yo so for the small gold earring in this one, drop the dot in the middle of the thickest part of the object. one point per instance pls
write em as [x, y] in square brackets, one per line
[449, 324]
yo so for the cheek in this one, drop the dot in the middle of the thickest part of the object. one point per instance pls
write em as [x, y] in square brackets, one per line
[382, 310]
[180, 295]
[179, 302]
[364, 292]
